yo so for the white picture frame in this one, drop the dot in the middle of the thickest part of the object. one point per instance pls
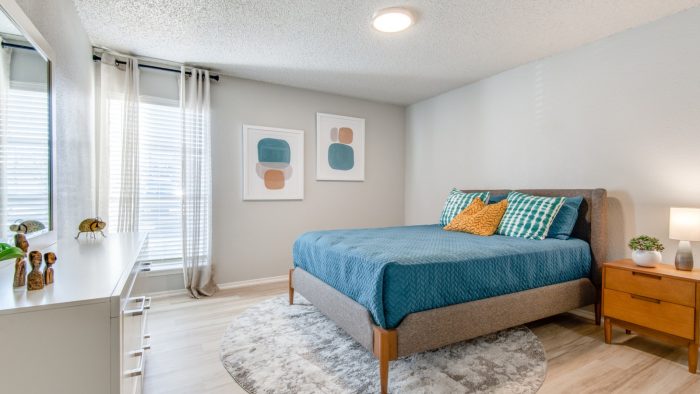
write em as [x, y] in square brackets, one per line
[273, 169]
[340, 148]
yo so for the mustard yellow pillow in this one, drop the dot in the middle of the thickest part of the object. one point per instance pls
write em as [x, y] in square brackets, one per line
[479, 218]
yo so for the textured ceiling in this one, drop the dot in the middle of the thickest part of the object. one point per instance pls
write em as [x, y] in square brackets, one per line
[329, 45]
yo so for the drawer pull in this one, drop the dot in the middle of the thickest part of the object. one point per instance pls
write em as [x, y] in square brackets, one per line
[647, 299]
[146, 342]
[137, 311]
[138, 371]
[147, 303]
[650, 276]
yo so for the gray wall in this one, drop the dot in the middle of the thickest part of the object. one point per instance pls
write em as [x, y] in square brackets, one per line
[59, 24]
[253, 239]
[622, 113]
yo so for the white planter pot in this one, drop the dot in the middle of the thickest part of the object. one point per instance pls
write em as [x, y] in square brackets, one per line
[646, 258]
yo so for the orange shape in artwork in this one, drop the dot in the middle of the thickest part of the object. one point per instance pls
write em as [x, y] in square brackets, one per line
[345, 135]
[274, 179]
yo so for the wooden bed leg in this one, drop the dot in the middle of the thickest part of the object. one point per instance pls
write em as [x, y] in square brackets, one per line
[291, 289]
[385, 349]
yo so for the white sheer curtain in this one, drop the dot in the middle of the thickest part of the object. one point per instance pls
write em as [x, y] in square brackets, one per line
[196, 183]
[119, 92]
[5, 57]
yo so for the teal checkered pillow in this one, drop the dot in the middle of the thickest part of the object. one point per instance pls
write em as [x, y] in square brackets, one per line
[456, 202]
[529, 216]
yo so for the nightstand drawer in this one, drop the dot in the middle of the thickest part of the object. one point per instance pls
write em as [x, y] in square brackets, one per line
[653, 313]
[651, 285]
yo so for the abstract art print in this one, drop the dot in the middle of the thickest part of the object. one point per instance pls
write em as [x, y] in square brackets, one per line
[273, 163]
[340, 148]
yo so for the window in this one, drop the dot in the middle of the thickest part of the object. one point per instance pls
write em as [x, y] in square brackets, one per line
[160, 151]
[25, 154]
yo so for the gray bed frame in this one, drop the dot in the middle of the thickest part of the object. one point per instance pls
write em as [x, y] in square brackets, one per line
[434, 328]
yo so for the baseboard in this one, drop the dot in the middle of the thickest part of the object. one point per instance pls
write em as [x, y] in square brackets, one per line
[253, 282]
[227, 285]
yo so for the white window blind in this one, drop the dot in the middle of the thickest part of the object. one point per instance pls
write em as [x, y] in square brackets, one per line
[24, 152]
[160, 151]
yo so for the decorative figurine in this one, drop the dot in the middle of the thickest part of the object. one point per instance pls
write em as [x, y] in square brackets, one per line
[49, 259]
[27, 227]
[35, 280]
[20, 263]
[91, 226]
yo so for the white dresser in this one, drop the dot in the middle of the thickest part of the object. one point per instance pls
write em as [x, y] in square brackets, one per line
[82, 334]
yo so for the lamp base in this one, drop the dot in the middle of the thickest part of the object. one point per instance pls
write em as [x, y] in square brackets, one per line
[684, 256]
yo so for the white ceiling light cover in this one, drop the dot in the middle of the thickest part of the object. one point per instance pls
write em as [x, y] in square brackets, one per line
[393, 20]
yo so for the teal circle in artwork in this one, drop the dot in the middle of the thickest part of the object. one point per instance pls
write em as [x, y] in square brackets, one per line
[341, 157]
[274, 150]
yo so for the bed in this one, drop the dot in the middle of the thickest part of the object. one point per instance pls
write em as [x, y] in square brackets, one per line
[403, 290]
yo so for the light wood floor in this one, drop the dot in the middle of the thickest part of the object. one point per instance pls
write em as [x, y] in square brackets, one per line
[186, 334]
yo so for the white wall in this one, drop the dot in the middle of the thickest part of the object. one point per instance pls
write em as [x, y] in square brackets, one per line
[72, 80]
[253, 239]
[622, 113]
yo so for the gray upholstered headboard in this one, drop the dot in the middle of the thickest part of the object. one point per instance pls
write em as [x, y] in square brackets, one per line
[591, 225]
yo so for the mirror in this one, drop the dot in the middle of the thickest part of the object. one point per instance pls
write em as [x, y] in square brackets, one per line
[26, 192]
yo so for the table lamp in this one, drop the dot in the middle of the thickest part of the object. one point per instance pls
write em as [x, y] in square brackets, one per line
[684, 226]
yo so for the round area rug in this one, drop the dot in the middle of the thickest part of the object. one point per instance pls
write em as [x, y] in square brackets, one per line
[277, 348]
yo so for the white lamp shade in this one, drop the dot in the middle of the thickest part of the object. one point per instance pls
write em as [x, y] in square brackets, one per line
[684, 224]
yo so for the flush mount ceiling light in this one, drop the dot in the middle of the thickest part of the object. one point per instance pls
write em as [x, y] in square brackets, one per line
[392, 20]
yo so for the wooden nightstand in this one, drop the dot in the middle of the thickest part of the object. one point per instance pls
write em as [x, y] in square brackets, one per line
[661, 302]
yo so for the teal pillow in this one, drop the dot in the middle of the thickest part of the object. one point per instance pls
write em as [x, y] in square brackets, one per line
[456, 202]
[563, 224]
[497, 198]
[529, 216]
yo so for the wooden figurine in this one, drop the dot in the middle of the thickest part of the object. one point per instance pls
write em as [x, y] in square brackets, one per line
[49, 259]
[35, 280]
[20, 263]
[20, 273]
[91, 226]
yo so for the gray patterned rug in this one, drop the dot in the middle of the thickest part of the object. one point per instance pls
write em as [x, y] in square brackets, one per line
[276, 348]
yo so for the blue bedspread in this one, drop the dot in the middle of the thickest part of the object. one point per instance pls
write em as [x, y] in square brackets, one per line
[396, 271]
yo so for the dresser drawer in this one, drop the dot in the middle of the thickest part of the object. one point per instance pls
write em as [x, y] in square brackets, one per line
[653, 313]
[651, 285]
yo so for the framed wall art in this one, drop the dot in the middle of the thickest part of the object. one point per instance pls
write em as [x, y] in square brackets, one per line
[273, 163]
[340, 148]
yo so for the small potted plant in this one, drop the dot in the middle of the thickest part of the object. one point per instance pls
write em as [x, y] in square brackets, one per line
[646, 250]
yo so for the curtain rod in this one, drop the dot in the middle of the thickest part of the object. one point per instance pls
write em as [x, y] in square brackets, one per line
[10, 45]
[98, 58]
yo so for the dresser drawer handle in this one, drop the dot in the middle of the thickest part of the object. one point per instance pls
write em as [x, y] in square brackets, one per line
[647, 299]
[137, 311]
[138, 371]
[650, 276]
[146, 342]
